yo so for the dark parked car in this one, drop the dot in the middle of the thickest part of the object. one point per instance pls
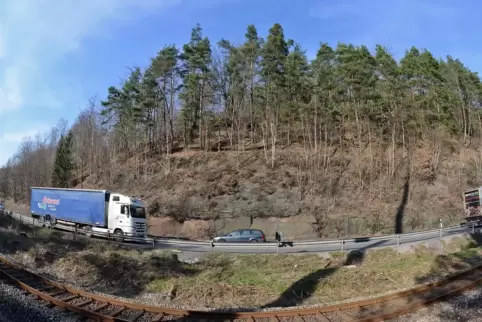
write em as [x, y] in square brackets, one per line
[242, 236]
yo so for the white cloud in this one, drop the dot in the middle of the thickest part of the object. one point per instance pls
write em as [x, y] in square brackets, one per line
[34, 33]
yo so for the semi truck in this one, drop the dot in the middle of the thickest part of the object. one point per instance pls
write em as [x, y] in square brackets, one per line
[91, 210]
[472, 206]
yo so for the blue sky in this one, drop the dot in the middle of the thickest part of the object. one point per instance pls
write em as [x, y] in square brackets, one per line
[55, 55]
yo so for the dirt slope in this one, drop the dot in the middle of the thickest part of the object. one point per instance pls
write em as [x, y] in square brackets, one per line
[331, 193]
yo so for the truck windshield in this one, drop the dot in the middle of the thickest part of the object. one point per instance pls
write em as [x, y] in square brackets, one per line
[138, 212]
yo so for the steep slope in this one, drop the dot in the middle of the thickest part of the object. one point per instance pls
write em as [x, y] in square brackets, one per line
[306, 195]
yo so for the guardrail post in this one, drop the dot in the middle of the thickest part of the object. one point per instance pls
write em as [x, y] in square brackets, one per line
[153, 241]
[473, 228]
[398, 240]
[342, 244]
[440, 235]
[212, 246]
[277, 247]
[75, 232]
[441, 228]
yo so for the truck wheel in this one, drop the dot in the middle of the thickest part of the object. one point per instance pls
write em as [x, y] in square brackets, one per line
[119, 234]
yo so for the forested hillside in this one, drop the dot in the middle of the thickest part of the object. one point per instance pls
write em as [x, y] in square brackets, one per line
[233, 135]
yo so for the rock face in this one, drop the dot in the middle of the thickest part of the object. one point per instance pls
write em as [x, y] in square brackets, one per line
[169, 227]
[296, 227]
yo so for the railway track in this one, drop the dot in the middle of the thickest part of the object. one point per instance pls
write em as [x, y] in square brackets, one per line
[92, 307]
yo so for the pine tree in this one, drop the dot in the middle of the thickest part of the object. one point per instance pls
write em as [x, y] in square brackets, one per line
[63, 164]
[274, 54]
[196, 57]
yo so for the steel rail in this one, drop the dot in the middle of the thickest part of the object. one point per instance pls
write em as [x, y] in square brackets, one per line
[450, 286]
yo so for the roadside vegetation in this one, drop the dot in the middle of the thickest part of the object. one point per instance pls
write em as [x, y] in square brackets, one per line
[164, 277]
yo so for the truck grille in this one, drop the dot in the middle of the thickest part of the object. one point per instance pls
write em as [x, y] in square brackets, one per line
[140, 227]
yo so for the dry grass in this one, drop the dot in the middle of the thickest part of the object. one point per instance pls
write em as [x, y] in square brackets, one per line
[251, 281]
[226, 280]
[223, 280]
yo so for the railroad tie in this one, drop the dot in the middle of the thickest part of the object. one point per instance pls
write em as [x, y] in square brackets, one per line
[55, 293]
[70, 298]
[158, 317]
[321, 317]
[41, 287]
[47, 288]
[298, 318]
[100, 307]
[88, 301]
[136, 316]
[344, 316]
[117, 312]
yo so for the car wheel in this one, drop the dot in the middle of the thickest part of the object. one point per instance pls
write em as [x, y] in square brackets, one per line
[253, 241]
[221, 241]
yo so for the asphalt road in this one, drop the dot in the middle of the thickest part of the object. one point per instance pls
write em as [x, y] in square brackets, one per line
[296, 247]
[364, 243]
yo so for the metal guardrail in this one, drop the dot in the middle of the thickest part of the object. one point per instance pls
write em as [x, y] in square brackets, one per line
[145, 240]
[401, 238]
[39, 223]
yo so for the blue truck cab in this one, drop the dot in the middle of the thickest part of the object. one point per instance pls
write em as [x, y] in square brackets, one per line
[91, 210]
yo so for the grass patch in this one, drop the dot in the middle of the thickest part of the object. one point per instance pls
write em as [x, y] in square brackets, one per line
[251, 280]
[226, 280]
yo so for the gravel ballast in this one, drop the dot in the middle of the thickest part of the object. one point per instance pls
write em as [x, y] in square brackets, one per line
[466, 307]
[15, 306]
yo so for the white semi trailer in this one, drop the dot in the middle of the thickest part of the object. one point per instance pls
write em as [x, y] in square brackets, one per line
[92, 210]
